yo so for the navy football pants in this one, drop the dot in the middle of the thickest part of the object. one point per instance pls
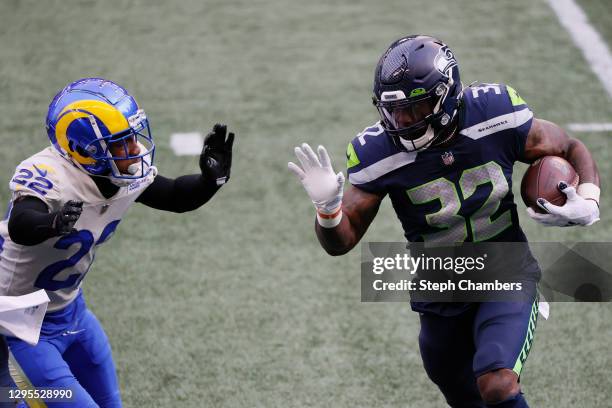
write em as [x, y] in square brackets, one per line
[458, 349]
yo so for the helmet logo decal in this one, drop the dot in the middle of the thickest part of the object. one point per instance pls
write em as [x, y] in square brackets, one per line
[92, 110]
[417, 92]
[445, 60]
[110, 116]
[61, 129]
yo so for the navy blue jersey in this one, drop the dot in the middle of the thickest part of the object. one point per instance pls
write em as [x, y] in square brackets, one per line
[460, 192]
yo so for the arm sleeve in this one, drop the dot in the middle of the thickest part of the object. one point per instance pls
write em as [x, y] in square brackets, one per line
[30, 222]
[185, 193]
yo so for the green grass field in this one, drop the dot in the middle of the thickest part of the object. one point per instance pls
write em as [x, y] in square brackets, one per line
[235, 304]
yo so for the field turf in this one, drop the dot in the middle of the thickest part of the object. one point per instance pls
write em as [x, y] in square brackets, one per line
[236, 304]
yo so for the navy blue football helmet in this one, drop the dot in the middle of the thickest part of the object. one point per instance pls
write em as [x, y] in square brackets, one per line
[417, 91]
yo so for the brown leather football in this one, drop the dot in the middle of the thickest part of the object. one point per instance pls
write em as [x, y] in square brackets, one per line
[542, 178]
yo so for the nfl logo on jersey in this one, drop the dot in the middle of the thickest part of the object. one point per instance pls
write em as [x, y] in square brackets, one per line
[448, 158]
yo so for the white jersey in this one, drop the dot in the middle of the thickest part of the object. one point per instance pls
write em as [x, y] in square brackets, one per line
[59, 264]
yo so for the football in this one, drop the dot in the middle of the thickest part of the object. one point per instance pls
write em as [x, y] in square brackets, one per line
[542, 178]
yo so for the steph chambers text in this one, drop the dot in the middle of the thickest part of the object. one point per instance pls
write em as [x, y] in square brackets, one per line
[462, 285]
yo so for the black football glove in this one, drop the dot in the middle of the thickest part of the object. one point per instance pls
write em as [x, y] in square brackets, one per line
[216, 157]
[66, 217]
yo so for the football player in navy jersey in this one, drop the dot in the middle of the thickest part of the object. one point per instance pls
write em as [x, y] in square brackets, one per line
[444, 153]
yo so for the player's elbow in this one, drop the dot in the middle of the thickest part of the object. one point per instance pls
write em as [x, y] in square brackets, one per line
[14, 232]
[181, 207]
[20, 235]
[181, 210]
[572, 146]
[337, 248]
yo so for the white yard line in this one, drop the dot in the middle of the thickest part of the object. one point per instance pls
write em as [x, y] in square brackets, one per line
[594, 48]
[571, 17]
[186, 144]
[589, 127]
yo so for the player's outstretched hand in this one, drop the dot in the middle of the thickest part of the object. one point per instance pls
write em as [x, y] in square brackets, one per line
[66, 217]
[323, 185]
[576, 210]
[216, 157]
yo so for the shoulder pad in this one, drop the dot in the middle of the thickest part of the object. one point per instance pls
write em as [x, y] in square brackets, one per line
[371, 155]
[485, 93]
[369, 146]
[491, 108]
[39, 177]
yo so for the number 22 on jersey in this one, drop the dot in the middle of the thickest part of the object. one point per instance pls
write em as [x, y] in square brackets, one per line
[85, 239]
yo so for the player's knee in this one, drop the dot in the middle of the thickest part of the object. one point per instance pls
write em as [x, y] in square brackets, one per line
[434, 367]
[498, 385]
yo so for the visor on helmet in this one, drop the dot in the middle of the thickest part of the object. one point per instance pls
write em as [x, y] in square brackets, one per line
[408, 120]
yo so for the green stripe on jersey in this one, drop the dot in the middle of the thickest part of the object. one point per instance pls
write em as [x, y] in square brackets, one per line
[515, 97]
[351, 156]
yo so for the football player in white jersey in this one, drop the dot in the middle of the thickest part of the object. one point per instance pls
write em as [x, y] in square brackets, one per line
[66, 201]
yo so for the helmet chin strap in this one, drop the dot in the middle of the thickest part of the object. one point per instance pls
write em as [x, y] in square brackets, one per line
[120, 182]
[131, 171]
[416, 144]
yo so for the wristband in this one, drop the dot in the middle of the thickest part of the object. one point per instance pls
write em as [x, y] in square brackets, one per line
[589, 191]
[332, 220]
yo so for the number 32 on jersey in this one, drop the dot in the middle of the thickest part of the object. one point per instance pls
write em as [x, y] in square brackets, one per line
[483, 227]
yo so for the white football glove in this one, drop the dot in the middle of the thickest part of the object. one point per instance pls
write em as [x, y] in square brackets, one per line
[323, 185]
[576, 210]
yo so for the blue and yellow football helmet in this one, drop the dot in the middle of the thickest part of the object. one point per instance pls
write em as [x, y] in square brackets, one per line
[89, 115]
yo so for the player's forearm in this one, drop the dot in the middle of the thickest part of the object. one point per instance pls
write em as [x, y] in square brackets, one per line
[30, 223]
[192, 192]
[358, 210]
[337, 240]
[183, 194]
[582, 160]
